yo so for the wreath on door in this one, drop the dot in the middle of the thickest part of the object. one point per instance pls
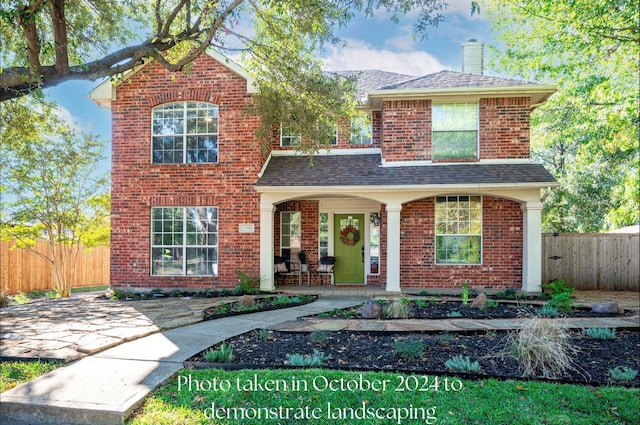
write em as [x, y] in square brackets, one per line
[349, 235]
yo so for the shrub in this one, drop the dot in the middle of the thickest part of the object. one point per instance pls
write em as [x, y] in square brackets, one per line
[601, 333]
[263, 334]
[398, 309]
[462, 364]
[421, 303]
[307, 360]
[21, 298]
[623, 373]
[409, 349]
[465, 293]
[246, 284]
[542, 347]
[548, 311]
[224, 354]
[560, 295]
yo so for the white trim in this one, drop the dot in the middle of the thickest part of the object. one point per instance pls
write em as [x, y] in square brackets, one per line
[441, 163]
[265, 165]
[401, 188]
[538, 94]
[327, 152]
[436, 234]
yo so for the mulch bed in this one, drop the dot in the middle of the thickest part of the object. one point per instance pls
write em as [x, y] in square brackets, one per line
[378, 351]
[445, 309]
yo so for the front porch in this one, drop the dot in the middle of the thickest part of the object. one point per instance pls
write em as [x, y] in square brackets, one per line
[405, 248]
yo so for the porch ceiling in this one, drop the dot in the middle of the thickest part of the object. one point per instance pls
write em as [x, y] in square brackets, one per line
[367, 171]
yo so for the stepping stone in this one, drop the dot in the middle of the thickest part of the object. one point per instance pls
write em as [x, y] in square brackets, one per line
[372, 326]
[331, 325]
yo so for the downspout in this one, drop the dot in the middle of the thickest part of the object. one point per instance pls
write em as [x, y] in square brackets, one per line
[544, 196]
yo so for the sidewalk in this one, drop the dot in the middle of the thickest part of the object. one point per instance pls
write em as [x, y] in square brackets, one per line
[106, 387]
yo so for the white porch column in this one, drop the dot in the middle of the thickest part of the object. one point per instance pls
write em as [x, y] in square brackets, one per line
[393, 247]
[532, 247]
[266, 245]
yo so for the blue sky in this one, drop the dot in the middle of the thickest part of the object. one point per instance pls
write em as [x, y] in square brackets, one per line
[372, 43]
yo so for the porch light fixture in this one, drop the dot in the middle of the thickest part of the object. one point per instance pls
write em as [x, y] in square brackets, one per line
[375, 218]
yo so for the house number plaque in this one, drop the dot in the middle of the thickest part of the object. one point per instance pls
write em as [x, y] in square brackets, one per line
[246, 228]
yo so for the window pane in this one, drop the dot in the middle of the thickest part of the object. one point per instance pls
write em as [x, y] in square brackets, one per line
[202, 149]
[323, 235]
[361, 130]
[166, 261]
[455, 116]
[374, 244]
[167, 150]
[455, 144]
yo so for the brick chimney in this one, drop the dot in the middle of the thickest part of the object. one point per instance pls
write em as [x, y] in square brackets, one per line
[473, 57]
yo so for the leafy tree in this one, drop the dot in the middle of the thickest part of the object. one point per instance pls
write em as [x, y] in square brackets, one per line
[50, 41]
[587, 133]
[48, 188]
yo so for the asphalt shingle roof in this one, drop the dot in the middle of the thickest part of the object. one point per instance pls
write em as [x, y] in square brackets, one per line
[453, 79]
[366, 170]
[372, 79]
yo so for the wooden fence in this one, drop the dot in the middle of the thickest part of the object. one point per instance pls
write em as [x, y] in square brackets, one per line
[24, 271]
[590, 261]
[585, 261]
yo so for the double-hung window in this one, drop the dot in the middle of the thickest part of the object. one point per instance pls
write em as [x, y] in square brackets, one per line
[455, 130]
[458, 229]
[288, 137]
[184, 241]
[185, 132]
[361, 130]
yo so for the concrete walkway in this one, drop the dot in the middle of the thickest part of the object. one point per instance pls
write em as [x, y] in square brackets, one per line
[107, 386]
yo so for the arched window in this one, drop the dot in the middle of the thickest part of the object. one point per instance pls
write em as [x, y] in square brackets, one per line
[185, 132]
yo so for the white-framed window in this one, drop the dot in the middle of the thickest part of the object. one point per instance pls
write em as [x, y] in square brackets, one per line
[458, 230]
[290, 234]
[184, 241]
[185, 132]
[323, 235]
[361, 130]
[288, 137]
[454, 130]
[374, 243]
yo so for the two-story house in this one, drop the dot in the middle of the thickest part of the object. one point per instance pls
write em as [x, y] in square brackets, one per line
[432, 188]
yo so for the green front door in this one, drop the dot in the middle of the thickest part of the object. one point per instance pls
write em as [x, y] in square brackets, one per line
[349, 237]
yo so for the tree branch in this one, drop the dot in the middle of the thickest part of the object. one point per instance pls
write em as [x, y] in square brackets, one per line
[59, 24]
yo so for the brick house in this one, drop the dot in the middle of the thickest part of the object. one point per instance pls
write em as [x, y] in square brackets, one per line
[432, 187]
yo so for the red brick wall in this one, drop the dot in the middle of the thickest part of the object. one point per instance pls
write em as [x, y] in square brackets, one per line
[504, 129]
[138, 185]
[501, 243]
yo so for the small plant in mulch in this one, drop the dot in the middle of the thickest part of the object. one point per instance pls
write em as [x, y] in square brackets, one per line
[224, 354]
[623, 373]
[409, 349]
[560, 293]
[398, 309]
[600, 333]
[548, 311]
[462, 363]
[306, 360]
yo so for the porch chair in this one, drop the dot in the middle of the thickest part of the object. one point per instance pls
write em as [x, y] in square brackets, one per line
[325, 268]
[283, 268]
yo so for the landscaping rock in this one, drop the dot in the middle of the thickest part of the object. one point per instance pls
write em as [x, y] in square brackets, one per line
[480, 301]
[246, 301]
[371, 310]
[610, 307]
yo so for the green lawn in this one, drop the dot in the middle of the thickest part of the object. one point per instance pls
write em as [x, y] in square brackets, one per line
[321, 396]
[14, 373]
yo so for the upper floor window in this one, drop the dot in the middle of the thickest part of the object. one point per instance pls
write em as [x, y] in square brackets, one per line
[455, 130]
[184, 241]
[185, 132]
[361, 130]
[288, 137]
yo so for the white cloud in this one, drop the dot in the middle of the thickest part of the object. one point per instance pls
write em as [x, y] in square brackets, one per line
[360, 55]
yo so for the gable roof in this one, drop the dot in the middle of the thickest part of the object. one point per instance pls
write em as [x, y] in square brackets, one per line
[106, 91]
[371, 79]
[366, 170]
